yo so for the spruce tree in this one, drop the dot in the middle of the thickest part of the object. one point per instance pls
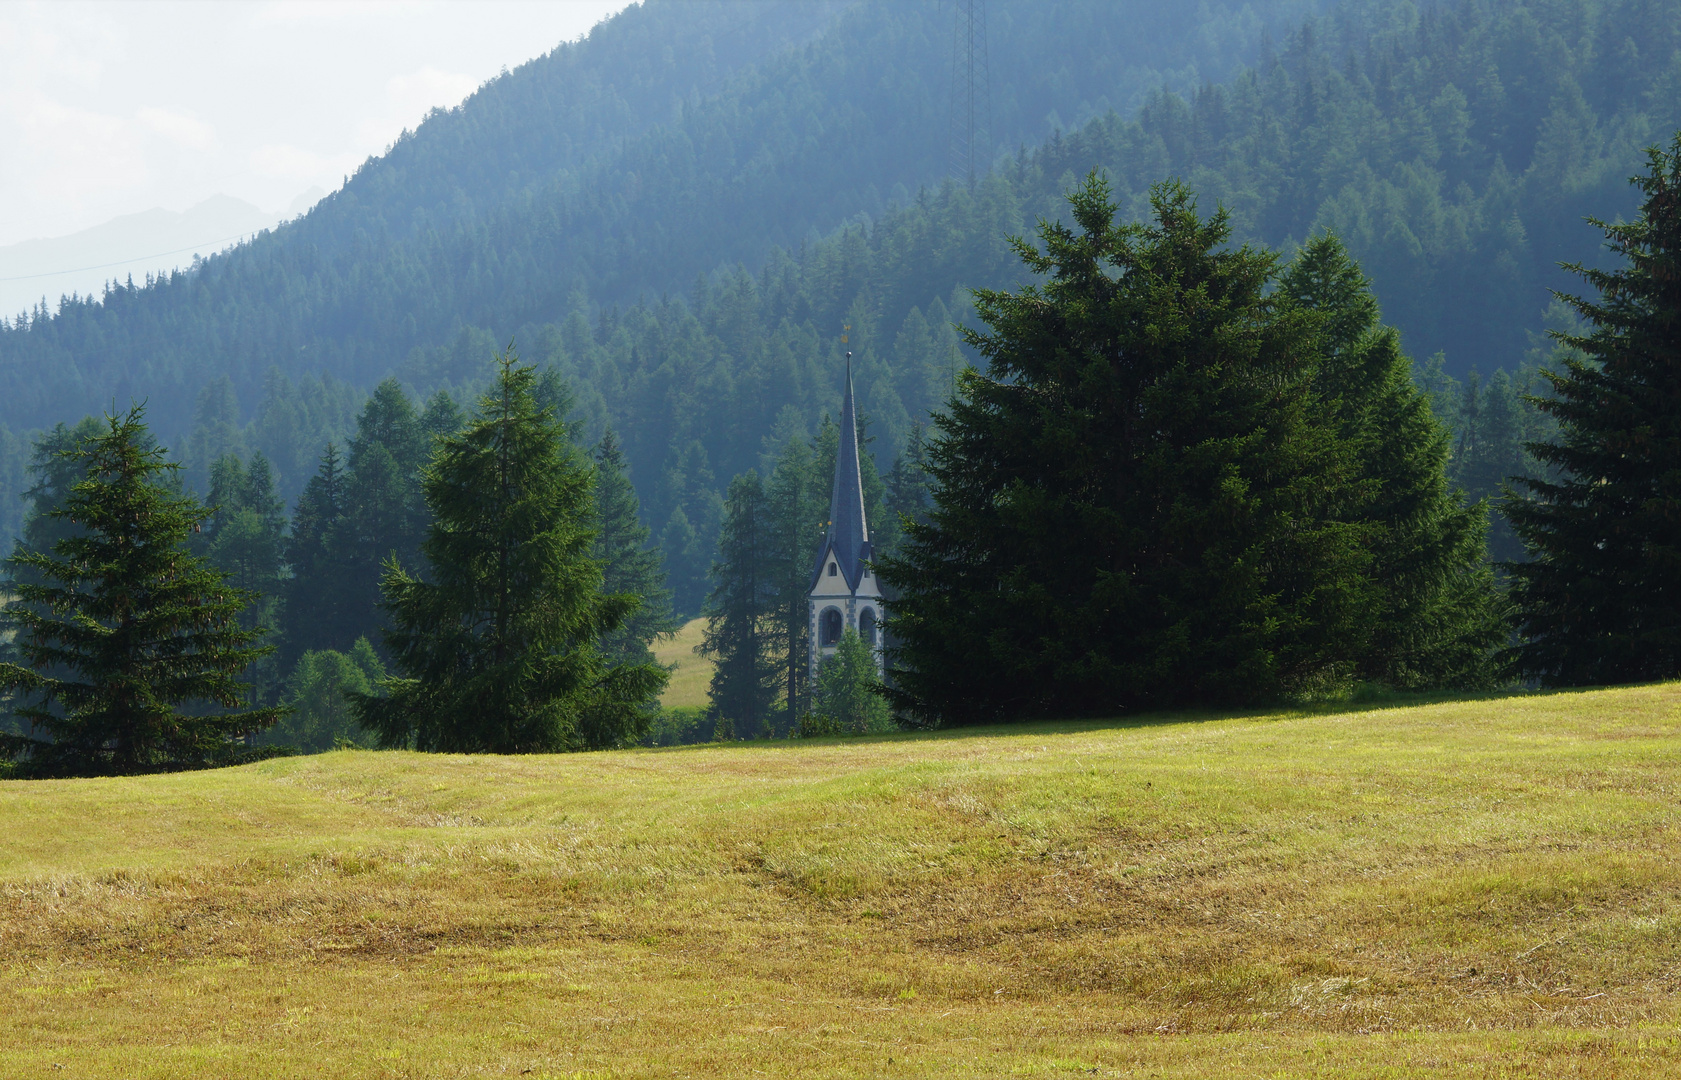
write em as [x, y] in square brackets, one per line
[119, 626]
[442, 416]
[1437, 617]
[1600, 599]
[628, 565]
[687, 485]
[1137, 504]
[906, 496]
[685, 562]
[741, 614]
[496, 650]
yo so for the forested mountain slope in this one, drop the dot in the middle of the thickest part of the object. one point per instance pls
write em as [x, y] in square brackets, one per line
[1460, 203]
[677, 138]
[1455, 147]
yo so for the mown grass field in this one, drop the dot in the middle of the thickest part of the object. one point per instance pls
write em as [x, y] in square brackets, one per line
[1472, 889]
[693, 672]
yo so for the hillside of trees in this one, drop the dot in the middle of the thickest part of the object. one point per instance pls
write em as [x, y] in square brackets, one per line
[1222, 434]
[676, 139]
[1454, 150]
[687, 273]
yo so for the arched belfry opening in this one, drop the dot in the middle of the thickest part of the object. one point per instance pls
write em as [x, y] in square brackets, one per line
[844, 594]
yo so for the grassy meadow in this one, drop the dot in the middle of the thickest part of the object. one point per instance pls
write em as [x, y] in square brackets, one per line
[1486, 888]
[691, 672]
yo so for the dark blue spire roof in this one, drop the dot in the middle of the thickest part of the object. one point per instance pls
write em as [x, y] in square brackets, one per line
[849, 533]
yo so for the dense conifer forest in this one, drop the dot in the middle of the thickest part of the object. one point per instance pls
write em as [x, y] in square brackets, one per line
[1453, 147]
[674, 219]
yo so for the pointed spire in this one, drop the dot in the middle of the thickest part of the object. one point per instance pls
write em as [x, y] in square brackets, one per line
[849, 532]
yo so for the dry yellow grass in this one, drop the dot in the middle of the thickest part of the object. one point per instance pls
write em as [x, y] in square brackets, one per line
[1472, 889]
[687, 688]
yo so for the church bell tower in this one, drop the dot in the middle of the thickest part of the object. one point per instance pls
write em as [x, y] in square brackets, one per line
[844, 593]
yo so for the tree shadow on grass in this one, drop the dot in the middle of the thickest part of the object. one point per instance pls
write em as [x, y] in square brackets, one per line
[1365, 702]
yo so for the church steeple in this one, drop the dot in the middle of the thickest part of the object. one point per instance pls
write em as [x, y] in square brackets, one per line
[844, 597]
[848, 536]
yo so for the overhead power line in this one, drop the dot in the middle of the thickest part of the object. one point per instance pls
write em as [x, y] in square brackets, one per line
[125, 262]
[970, 141]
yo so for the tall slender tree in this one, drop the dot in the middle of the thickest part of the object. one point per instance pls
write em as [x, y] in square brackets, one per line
[313, 597]
[629, 566]
[120, 626]
[498, 649]
[741, 634]
[55, 469]
[795, 503]
[1600, 598]
[384, 512]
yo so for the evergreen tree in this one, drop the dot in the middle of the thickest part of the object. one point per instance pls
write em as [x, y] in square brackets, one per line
[120, 626]
[1137, 504]
[1437, 617]
[795, 504]
[314, 596]
[628, 565]
[741, 614]
[442, 417]
[684, 550]
[1498, 422]
[1600, 599]
[384, 512]
[244, 532]
[906, 497]
[845, 700]
[687, 485]
[217, 432]
[320, 715]
[55, 469]
[498, 651]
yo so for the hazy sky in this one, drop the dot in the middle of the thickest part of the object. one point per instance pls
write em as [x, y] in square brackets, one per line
[112, 108]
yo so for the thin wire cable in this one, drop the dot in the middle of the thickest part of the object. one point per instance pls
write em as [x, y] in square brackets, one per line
[135, 259]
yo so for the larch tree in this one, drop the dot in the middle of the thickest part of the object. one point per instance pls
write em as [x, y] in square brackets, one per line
[498, 648]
